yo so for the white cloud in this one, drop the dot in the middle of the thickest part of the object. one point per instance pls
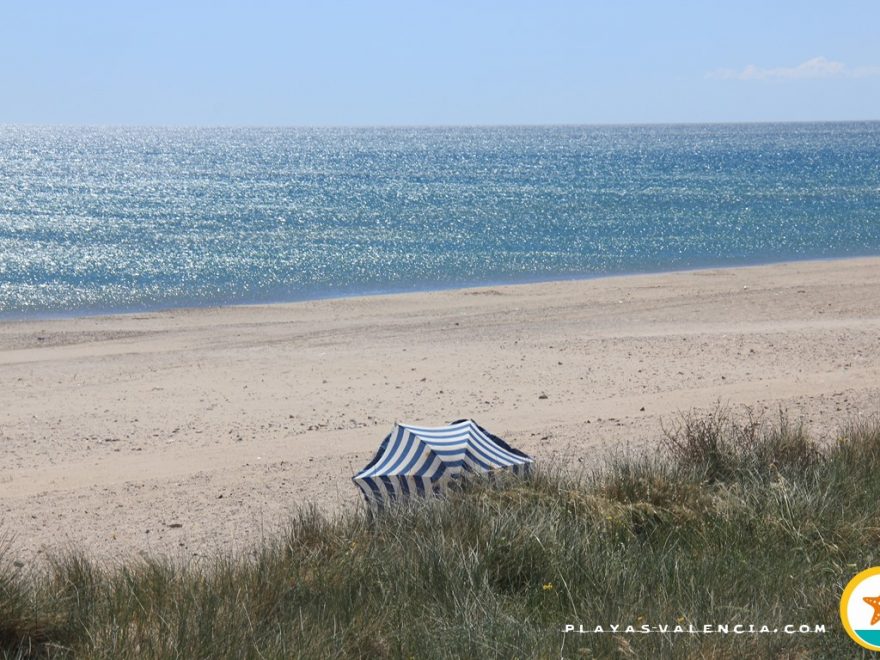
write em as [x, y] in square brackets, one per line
[815, 68]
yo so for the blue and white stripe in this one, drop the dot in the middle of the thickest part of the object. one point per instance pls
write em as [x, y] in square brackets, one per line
[420, 461]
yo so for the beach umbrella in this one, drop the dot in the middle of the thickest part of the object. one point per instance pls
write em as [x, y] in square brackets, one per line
[419, 461]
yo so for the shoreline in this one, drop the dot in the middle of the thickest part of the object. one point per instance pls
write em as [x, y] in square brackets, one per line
[550, 279]
[223, 420]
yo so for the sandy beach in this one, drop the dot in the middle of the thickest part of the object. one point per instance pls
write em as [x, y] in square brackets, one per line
[190, 431]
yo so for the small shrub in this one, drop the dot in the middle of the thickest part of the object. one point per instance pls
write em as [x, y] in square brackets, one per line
[722, 448]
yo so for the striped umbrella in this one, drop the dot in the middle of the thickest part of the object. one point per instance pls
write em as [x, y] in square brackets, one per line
[414, 460]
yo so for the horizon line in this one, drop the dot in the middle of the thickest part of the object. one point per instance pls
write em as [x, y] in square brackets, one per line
[4, 124]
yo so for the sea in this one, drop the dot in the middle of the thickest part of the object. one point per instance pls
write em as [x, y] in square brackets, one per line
[119, 219]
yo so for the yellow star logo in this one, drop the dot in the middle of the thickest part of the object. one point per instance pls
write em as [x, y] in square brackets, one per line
[875, 603]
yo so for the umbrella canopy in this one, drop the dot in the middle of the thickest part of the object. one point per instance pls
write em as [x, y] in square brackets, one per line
[418, 461]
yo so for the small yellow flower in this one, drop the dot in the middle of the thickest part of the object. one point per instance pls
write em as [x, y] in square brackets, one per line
[548, 586]
[681, 619]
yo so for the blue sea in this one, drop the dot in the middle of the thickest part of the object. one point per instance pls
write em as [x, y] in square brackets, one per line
[122, 219]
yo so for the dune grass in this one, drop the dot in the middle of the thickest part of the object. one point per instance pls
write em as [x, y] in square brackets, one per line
[734, 521]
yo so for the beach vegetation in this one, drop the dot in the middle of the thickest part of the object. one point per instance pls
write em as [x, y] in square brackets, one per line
[735, 521]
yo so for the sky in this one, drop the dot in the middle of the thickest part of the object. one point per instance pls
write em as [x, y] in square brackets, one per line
[421, 62]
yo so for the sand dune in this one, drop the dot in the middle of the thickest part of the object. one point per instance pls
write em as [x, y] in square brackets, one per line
[188, 431]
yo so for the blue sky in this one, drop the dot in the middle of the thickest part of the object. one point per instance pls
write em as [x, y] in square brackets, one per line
[417, 63]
